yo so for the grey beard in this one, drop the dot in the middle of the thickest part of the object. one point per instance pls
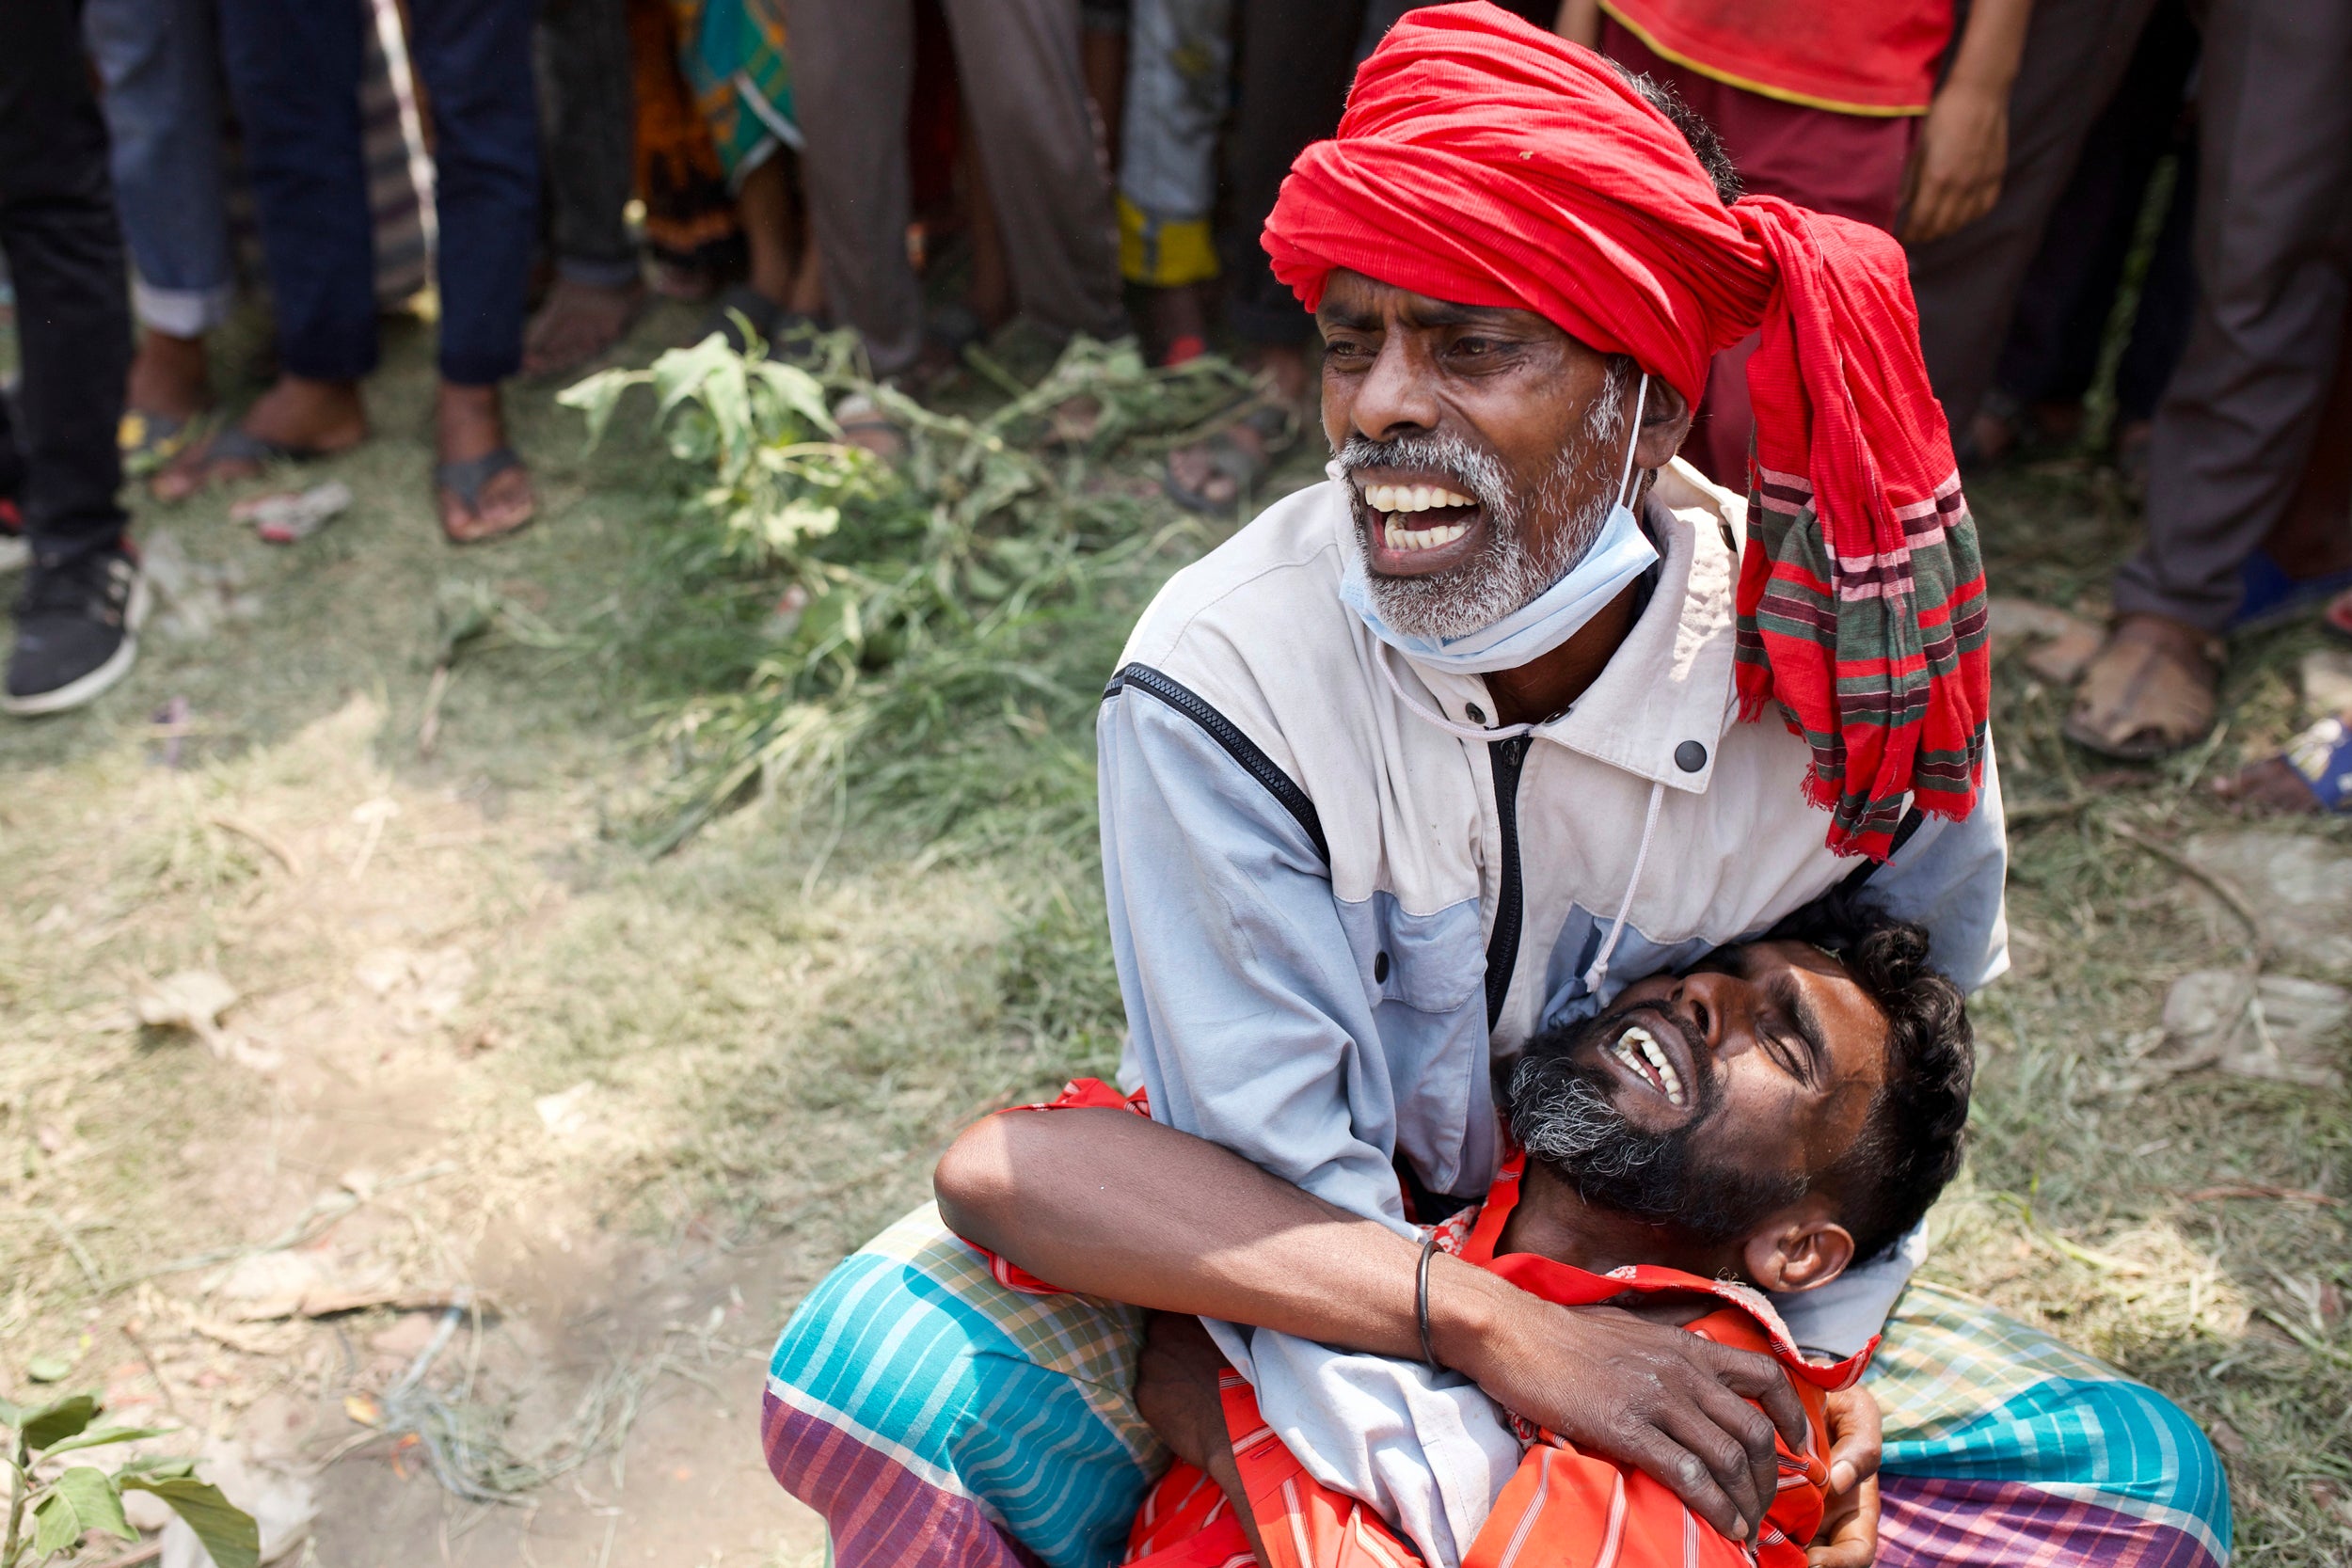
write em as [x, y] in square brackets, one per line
[1568, 1124]
[1510, 573]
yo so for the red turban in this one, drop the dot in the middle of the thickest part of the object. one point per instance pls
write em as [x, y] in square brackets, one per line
[1485, 161]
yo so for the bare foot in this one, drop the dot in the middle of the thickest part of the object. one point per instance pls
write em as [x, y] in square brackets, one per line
[169, 376]
[577, 322]
[297, 418]
[1210, 475]
[1180, 324]
[469, 426]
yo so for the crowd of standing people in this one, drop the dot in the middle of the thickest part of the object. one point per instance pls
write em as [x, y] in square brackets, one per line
[1106, 167]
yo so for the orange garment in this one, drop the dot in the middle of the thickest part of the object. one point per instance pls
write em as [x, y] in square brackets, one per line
[1563, 1508]
[1857, 56]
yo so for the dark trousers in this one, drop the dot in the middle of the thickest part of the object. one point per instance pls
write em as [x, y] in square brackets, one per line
[294, 71]
[853, 74]
[1967, 283]
[2054, 345]
[587, 93]
[2273, 270]
[64, 246]
[1298, 58]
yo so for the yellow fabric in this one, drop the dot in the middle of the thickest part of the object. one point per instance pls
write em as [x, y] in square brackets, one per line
[1163, 255]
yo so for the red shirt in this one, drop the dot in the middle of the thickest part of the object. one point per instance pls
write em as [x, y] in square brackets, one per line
[1854, 57]
[1563, 1508]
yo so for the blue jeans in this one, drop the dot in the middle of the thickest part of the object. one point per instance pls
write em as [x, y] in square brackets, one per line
[161, 67]
[294, 71]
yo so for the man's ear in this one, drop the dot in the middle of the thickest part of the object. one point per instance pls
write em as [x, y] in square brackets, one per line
[1799, 1249]
[1665, 422]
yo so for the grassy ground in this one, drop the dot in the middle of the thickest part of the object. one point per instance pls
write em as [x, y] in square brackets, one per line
[641, 1103]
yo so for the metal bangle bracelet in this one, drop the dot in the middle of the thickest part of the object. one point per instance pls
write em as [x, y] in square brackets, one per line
[1420, 1305]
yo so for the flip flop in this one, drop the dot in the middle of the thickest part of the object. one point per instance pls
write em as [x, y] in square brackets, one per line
[201, 462]
[1275, 427]
[464, 481]
[2146, 695]
[149, 439]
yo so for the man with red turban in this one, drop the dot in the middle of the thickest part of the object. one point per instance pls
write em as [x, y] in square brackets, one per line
[1516, 710]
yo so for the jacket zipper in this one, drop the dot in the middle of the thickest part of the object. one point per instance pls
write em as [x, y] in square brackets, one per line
[1507, 758]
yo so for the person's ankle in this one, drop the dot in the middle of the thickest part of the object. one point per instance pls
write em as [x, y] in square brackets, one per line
[168, 375]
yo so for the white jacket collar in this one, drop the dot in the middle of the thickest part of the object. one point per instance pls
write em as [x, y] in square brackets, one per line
[1667, 695]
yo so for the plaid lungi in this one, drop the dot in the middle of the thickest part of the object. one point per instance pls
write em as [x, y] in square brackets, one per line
[933, 1415]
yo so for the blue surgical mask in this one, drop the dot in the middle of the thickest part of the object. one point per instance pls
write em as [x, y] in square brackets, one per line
[1621, 553]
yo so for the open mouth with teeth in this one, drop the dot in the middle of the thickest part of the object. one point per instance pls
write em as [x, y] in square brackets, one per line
[1643, 1057]
[1416, 523]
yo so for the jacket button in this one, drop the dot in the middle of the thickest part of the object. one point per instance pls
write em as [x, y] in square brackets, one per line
[1690, 756]
[1380, 970]
[1477, 715]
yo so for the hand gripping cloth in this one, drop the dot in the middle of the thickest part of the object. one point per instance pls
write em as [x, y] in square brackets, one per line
[1485, 161]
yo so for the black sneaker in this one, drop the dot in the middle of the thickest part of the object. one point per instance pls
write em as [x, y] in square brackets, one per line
[77, 631]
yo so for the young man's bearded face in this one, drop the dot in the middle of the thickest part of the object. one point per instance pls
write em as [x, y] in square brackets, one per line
[1481, 448]
[1708, 1100]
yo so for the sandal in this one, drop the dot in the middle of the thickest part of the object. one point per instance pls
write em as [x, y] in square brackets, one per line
[464, 481]
[228, 455]
[149, 439]
[864, 425]
[2153, 691]
[1240, 463]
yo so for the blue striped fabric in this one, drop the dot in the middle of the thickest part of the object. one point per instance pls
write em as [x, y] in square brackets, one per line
[2104, 1440]
[1015, 1401]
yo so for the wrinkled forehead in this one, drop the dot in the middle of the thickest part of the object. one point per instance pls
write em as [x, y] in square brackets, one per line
[1828, 1003]
[1352, 301]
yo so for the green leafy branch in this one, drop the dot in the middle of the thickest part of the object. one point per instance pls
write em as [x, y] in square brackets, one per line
[63, 1504]
[915, 604]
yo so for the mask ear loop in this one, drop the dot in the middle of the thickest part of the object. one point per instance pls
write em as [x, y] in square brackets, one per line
[1624, 481]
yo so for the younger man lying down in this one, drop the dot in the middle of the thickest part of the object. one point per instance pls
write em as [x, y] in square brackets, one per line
[1759, 1122]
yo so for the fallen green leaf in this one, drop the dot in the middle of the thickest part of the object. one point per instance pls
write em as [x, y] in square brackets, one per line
[228, 1531]
[48, 1368]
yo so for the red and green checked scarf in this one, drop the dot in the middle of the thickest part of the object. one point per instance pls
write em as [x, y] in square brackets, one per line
[1485, 161]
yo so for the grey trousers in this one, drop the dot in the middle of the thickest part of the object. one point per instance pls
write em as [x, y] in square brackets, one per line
[587, 111]
[1017, 60]
[1967, 283]
[2274, 263]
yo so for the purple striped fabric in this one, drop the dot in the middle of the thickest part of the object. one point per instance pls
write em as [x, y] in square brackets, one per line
[1981, 1523]
[881, 1514]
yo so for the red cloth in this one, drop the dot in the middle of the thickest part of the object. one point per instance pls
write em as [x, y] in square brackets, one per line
[1485, 161]
[1850, 166]
[1855, 57]
[1562, 1506]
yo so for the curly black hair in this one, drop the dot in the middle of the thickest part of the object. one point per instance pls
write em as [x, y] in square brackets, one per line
[1705, 144]
[1910, 1146]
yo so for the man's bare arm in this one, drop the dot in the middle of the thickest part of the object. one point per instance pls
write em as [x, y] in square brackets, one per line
[1105, 1203]
[1955, 175]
